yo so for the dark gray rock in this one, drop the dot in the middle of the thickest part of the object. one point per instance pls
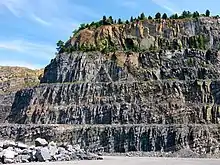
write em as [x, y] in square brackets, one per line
[6, 101]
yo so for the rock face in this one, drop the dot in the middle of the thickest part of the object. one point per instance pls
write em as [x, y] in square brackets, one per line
[15, 78]
[192, 33]
[200, 139]
[11, 80]
[6, 101]
[151, 101]
[122, 88]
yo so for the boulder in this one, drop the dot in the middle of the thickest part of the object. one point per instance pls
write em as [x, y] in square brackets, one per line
[18, 150]
[52, 150]
[77, 147]
[52, 143]
[21, 145]
[23, 158]
[62, 157]
[70, 148]
[62, 150]
[1, 144]
[40, 142]
[8, 143]
[26, 152]
[8, 156]
[43, 154]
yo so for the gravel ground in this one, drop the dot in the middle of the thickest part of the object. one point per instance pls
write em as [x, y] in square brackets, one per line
[117, 160]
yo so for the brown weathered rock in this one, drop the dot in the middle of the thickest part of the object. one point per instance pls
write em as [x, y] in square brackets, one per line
[152, 33]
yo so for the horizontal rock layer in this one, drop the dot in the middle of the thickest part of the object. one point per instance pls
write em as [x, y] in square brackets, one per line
[201, 139]
[119, 103]
[124, 88]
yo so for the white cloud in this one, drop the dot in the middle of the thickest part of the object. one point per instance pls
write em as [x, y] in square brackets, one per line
[41, 11]
[129, 4]
[39, 50]
[14, 6]
[166, 4]
[40, 20]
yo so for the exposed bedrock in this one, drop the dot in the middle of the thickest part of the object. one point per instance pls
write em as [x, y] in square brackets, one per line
[124, 88]
[201, 139]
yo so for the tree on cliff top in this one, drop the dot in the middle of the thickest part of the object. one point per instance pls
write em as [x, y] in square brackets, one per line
[196, 14]
[150, 17]
[119, 21]
[174, 16]
[142, 16]
[158, 16]
[207, 13]
[60, 46]
[164, 16]
[104, 20]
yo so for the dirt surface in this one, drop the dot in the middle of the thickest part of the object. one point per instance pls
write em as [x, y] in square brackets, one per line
[136, 161]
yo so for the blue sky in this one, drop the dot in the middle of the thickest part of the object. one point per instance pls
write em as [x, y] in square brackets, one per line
[29, 29]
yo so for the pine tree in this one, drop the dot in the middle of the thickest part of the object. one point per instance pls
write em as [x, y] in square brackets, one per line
[131, 20]
[174, 16]
[142, 16]
[104, 20]
[60, 46]
[127, 22]
[207, 13]
[110, 20]
[158, 16]
[164, 16]
[184, 14]
[119, 21]
[196, 14]
[150, 17]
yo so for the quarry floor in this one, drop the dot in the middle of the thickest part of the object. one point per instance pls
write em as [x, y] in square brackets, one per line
[116, 160]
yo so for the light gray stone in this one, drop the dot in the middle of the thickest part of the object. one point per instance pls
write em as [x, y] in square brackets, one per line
[52, 143]
[21, 145]
[24, 158]
[9, 143]
[52, 150]
[8, 155]
[8, 161]
[43, 154]
[77, 147]
[62, 150]
[70, 148]
[41, 142]
[1, 144]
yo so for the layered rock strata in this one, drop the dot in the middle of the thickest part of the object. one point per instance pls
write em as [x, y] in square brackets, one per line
[156, 100]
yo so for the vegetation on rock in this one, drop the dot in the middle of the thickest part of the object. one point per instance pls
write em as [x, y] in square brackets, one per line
[198, 41]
